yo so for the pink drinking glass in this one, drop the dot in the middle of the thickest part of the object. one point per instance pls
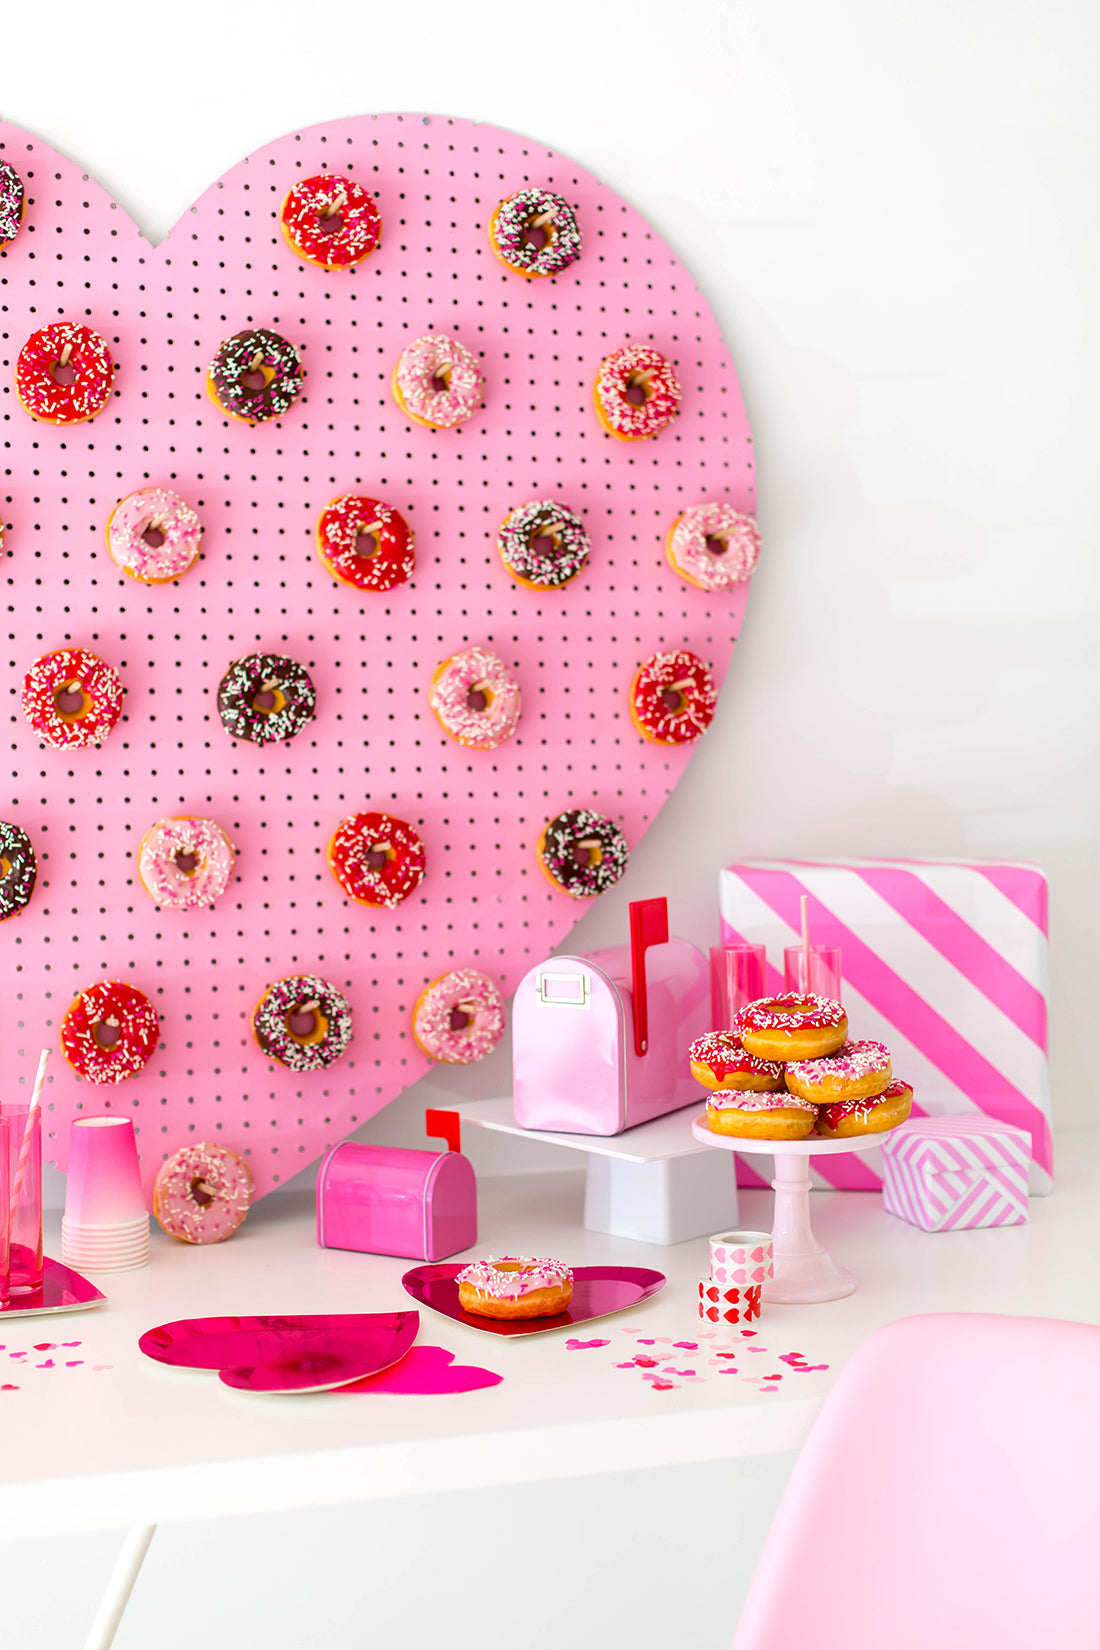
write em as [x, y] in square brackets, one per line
[5, 1245]
[103, 1187]
[823, 979]
[737, 974]
[25, 1210]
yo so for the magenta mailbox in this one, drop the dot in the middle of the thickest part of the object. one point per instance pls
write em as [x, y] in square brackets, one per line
[390, 1200]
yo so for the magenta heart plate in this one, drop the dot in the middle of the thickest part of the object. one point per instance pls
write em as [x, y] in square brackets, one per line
[598, 1291]
[63, 1290]
[285, 1354]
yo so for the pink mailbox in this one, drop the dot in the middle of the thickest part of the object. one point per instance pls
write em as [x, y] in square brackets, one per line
[599, 1042]
[390, 1200]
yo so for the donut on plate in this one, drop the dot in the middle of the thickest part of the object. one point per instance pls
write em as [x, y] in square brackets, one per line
[255, 376]
[71, 698]
[873, 1114]
[437, 382]
[719, 1060]
[330, 221]
[185, 863]
[515, 1287]
[535, 233]
[64, 374]
[582, 853]
[755, 1116]
[365, 543]
[475, 698]
[793, 1026]
[855, 1071]
[18, 869]
[109, 1032]
[202, 1193]
[265, 698]
[672, 698]
[303, 1022]
[713, 546]
[459, 1018]
[376, 859]
[543, 545]
[13, 203]
[637, 392]
[154, 535]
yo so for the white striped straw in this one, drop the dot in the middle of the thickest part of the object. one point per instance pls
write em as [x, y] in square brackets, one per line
[28, 1135]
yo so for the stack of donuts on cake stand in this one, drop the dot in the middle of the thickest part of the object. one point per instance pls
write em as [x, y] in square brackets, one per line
[787, 1080]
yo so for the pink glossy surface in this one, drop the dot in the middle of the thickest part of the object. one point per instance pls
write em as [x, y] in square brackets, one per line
[597, 1292]
[375, 1338]
[390, 1200]
[428, 1370]
[103, 1186]
[321, 1363]
[61, 1290]
[259, 585]
[25, 1209]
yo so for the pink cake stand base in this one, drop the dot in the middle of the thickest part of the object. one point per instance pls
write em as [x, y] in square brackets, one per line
[804, 1269]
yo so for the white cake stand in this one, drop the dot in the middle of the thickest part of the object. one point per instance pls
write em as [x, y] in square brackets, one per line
[804, 1269]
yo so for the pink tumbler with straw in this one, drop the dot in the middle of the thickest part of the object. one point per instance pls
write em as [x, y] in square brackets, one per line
[105, 1227]
[24, 1210]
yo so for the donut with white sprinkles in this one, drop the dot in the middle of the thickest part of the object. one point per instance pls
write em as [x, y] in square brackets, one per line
[202, 1193]
[331, 221]
[713, 546]
[13, 203]
[672, 698]
[109, 1032]
[476, 699]
[255, 376]
[18, 869]
[637, 392]
[71, 698]
[376, 859]
[303, 1022]
[543, 545]
[582, 853]
[265, 698]
[365, 543]
[459, 1018]
[535, 233]
[64, 374]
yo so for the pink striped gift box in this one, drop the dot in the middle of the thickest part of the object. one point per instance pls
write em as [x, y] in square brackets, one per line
[948, 1174]
[945, 963]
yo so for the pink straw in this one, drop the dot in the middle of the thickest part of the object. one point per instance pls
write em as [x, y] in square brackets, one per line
[28, 1134]
[804, 904]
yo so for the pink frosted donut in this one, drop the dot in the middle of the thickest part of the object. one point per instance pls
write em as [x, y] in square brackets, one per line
[202, 1193]
[856, 1071]
[438, 382]
[475, 698]
[185, 863]
[71, 698]
[154, 535]
[637, 392]
[459, 1018]
[713, 546]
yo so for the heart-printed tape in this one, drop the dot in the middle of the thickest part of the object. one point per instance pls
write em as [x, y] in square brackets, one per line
[374, 743]
[741, 1257]
[718, 1305]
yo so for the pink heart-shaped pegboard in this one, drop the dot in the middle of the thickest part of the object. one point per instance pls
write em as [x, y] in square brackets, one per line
[375, 743]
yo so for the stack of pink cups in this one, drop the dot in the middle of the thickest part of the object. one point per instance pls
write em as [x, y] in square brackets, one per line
[105, 1227]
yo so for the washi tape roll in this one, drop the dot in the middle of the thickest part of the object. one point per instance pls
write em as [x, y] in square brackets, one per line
[728, 1305]
[742, 1258]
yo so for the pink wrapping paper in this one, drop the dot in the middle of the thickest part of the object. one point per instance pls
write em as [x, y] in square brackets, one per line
[954, 1173]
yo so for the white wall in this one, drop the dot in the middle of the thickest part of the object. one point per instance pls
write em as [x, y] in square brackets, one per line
[891, 207]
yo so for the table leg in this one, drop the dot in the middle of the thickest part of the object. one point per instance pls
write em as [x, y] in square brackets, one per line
[804, 1269]
[121, 1585]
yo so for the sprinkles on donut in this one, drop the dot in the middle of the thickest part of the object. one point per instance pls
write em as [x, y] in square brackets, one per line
[672, 698]
[71, 698]
[109, 1032]
[543, 545]
[64, 374]
[637, 392]
[515, 1286]
[18, 869]
[376, 859]
[437, 382]
[13, 203]
[185, 863]
[202, 1193]
[582, 853]
[331, 221]
[303, 1022]
[255, 376]
[265, 697]
[535, 233]
[459, 1018]
[154, 535]
[713, 546]
[365, 543]
[476, 699]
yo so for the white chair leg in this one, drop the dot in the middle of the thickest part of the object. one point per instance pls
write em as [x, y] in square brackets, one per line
[121, 1585]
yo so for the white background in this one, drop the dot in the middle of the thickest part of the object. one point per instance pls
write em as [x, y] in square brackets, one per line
[892, 210]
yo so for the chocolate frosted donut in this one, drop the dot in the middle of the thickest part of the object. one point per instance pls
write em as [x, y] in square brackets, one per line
[582, 853]
[13, 203]
[535, 233]
[18, 869]
[265, 697]
[255, 376]
[302, 1022]
[543, 545]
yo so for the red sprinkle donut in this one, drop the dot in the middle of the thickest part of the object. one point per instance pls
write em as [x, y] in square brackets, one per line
[202, 1193]
[873, 1114]
[109, 1032]
[82, 359]
[71, 698]
[672, 698]
[858, 1070]
[794, 1026]
[376, 859]
[330, 221]
[720, 1061]
[637, 392]
[365, 543]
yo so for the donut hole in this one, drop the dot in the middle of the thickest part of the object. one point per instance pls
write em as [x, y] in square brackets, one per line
[586, 853]
[64, 373]
[329, 223]
[459, 1019]
[269, 701]
[673, 700]
[367, 544]
[71, 702]
[441, 380]
[479, 697]
[107, 1033]
[537, 235]
[153, 537]
[255, 379]
[378, 855]
[306, 1024]
[187, 861]
[199, 1192]
[638, 391]
[717, 547]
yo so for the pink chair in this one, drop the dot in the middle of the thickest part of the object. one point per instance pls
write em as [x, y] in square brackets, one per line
[948, 1497]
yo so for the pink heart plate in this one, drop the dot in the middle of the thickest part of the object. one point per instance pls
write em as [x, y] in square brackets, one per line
[258, 587]
[598, 1291]
[285, 1354]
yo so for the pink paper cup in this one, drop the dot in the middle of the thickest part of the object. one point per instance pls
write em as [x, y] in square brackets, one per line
[104, 1181]
[741, 1259]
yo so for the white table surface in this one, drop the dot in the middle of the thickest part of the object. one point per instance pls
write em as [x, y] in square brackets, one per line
[98, 1447]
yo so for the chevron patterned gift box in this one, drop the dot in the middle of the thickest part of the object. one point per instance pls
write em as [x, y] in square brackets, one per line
[946, 1174]
[944, 963]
